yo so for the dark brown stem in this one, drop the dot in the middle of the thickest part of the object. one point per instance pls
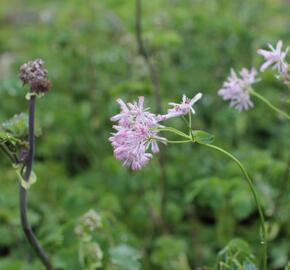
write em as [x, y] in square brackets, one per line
[23, 194]
[149, 61]
[155, 82]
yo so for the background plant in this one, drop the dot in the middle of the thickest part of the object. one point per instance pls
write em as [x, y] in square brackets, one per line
[91, 52]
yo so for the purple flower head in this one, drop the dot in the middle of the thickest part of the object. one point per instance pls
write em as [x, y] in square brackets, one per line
[137, 130]
[136, 133]
[236, 89]
[183, 108]
[276, 58]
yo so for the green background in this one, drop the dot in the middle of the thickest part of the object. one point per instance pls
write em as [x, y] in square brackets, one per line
[90, 50]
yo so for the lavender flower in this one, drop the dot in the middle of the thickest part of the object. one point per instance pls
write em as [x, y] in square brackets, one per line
[237, 89]
[183, 108]
[276, 58]
[137, 130]
[136, 133]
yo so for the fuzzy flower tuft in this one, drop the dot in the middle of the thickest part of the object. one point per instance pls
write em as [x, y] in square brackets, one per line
[135, 134]
[275, 57]
[237, 89]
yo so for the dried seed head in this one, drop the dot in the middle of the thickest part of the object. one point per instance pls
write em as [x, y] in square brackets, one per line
[35, 75]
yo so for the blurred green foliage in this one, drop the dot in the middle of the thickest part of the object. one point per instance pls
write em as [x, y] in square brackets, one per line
[90, 51]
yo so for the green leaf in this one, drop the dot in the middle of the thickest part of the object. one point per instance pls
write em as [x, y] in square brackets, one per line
[33, 94]
[170, 253]
[90, 255]
[202, 137]
[3, 135]
[17, 125]
[249, 266]
[26, 184]
[237, 255]
[125, 257]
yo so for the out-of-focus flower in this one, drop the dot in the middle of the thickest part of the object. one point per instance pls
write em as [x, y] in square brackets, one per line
[136, 133]
[92, 220]
[276, 58]
[35, 75]
[237, 89]
[137, 130]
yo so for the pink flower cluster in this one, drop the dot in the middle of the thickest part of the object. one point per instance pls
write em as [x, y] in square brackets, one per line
[137, 130]
[236, 89]
[275, 57]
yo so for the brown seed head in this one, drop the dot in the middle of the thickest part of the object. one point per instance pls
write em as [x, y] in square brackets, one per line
[35, 75]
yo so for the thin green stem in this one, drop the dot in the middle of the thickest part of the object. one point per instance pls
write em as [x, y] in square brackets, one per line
[173, 142]
[269, 104]
[251, 186]
[189, 125]
[178, 142]
[189, 138]
[175, 131]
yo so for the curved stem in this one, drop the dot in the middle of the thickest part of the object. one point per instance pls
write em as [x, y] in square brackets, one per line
[251, 186]
[23, 192]
[269, 104]
[247, 177]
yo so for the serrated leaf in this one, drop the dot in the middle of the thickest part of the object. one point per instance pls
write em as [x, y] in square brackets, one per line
[17, 125]
[202, 137]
